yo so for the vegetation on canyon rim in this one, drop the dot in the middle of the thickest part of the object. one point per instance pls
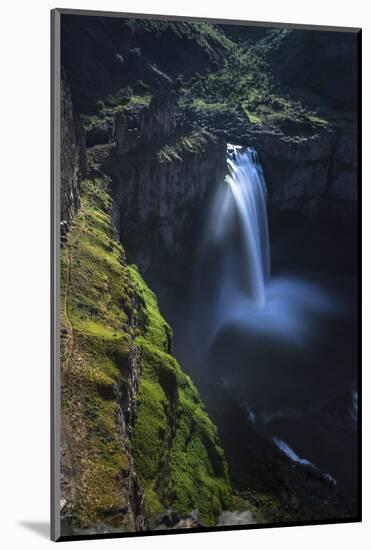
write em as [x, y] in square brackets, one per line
[238, 78]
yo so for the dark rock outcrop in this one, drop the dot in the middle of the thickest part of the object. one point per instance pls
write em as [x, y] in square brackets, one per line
[274, 487]
[132, 130]
[161, 174]
[156, 202]
[73, 158]
[102, 54]
[322, 63]
[313, 174]
[170, 519]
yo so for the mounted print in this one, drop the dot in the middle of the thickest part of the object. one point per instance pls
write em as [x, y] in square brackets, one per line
[205, 215]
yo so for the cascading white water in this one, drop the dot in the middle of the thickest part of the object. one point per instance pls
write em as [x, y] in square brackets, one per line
[236, 246]
[247, 185]
[260, 338]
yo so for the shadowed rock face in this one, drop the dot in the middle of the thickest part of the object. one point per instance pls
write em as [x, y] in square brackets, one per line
[73, 158]
[153, 122]
[322, 63]
[316, 176]
[294, 492]
[161, 174]
[154, 202]
[103, 55]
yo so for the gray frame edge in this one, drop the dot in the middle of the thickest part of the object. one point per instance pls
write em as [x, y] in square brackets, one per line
[298, 26]
[55, 88]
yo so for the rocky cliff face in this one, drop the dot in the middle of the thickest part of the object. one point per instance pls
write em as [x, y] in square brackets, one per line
[102, 55]
[155, 201]
[161, 173]
[321, 63]
[132, 130]
[313, 175]
[73, 158]
[275, 488]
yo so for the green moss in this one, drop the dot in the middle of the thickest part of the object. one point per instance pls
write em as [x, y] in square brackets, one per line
[96, 300]
[242, 82]
[317, 121]
[124, 101]
[107, 310]
[204, 106]
[90, 121]
[140, 100]
[176, 449]
[122, 97]
[252, 118]
[266, 507]
[195, 141]
[206, 36]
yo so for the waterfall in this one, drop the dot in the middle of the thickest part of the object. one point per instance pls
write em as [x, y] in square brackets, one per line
[235, 283]
[247, 185]
[266, 338]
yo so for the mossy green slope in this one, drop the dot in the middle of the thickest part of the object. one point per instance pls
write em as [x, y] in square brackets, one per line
[108, 312]
[176, 447]
[97, 341]
[242, 82]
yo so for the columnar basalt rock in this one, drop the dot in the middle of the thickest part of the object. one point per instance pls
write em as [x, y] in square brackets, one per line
[155, 201]
[133, 129]
[161, 174]
[313, 174]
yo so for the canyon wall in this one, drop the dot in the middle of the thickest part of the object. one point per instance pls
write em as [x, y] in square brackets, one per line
[314, 175]
[73, 158]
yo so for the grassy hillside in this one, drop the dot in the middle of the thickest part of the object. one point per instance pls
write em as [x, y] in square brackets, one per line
[176, 447]
[243, 82]
[110, 316]
[288, 80]
[97, 342]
